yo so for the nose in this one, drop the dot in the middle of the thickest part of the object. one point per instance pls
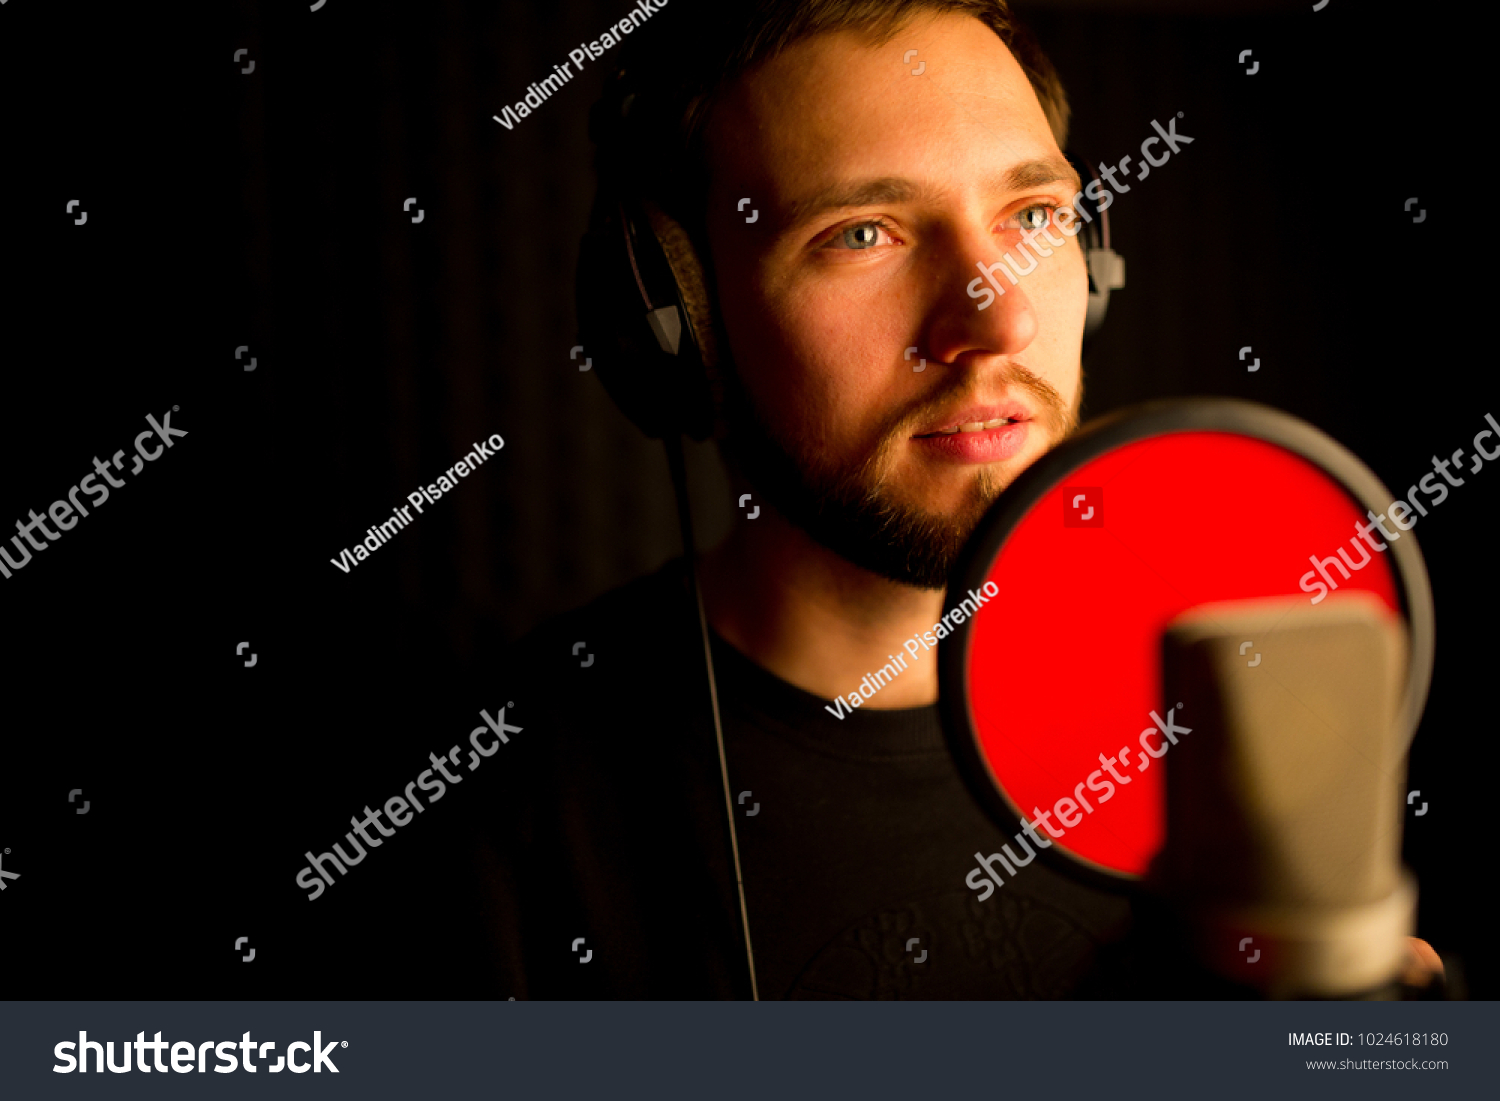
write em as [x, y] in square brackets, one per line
[976, 310]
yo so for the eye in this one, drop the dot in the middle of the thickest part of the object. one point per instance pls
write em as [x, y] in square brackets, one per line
[1036, 217]
[859, 237]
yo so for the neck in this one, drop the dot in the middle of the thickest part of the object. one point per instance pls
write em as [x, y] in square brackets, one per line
[815, 619]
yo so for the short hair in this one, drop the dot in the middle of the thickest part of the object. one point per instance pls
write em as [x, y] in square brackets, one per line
[674, 72]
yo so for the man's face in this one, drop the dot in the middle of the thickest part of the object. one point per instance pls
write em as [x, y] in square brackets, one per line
[878, 192]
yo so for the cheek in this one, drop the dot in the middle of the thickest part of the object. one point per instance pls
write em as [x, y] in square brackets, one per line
[1062, 306]
[804, 352]
[753, 323]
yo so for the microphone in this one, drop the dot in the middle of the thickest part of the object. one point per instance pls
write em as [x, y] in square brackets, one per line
[1169, 705]
[1284, 808]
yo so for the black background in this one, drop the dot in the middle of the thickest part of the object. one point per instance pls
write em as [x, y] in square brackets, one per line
[265, 210]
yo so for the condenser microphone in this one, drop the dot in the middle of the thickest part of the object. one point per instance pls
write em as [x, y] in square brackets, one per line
[1283, 824]
[1202, 685]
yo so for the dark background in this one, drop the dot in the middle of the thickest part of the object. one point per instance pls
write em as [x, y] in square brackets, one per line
[266, 210]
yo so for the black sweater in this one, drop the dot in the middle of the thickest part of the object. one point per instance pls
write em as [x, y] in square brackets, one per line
[608, 824]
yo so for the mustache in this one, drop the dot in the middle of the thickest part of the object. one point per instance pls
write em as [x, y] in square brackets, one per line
[848, 506]
[1050, 409]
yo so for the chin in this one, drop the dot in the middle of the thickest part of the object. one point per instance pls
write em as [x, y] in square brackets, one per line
[961, 508]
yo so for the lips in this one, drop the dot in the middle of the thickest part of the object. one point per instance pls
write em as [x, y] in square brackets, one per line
[976, 418]
[972, 426]
[971, 434]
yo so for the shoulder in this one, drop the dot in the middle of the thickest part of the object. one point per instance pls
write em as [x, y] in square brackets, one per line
[610, 632]
[625, 659]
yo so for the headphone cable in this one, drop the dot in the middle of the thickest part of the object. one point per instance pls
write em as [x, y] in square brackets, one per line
[678, 468]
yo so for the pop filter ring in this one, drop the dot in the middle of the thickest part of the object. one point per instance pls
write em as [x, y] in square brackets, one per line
[1118, 429]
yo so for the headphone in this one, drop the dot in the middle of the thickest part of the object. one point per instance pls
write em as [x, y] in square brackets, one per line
[644, 304]
[646, 319]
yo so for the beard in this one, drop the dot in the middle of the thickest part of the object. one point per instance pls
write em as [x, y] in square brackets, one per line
[853, 508]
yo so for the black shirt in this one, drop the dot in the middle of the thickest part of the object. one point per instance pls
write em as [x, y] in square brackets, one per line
[855, 834]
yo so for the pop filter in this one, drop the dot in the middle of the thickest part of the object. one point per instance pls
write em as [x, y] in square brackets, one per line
[1052, 688]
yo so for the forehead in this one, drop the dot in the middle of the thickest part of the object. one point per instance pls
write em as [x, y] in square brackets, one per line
[835, 106]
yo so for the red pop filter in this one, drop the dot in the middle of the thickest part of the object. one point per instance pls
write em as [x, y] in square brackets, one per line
[1068, 583]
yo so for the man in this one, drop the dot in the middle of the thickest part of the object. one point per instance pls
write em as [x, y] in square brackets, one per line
[610, 870]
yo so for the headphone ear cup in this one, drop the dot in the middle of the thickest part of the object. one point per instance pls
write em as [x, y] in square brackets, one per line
[1106, 267]
[705, 386]
[606, 323]
[636, 323]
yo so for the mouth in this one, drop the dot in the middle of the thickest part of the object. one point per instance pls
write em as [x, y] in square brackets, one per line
[977, 434]
[976, 419]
